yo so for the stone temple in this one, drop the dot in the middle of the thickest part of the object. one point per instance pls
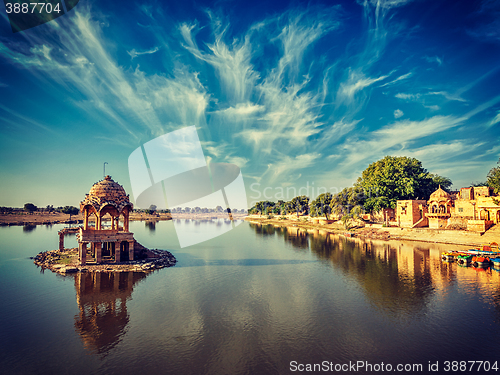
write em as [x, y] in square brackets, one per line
[107, 201]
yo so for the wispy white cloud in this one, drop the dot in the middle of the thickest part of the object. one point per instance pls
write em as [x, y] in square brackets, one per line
[495, 120]
[242, 109]
[78, 58]
[398, 113]
[400, 78]
[408, 97]
[289, 165]
[356, 82]
[390, 138]
[448, 95]
[133, 53]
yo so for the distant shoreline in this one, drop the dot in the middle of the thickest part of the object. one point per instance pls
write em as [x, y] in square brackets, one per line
[427, 235]
[39, 218]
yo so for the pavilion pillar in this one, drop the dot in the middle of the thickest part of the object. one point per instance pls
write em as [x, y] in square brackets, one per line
[98, 252]
[82, 252]
[117, 252]
[125, 221]
[85, 219]
[131, 250]
[61, 241]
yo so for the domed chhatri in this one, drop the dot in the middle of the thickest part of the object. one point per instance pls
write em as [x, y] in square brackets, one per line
[439, 194]
[440, 203]
[106, 196]
[107, 189]
[115, 244]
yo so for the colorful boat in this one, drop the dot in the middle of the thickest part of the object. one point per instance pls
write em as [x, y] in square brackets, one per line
[448, 257]
[496, 262]
[481, 261]
[464, 259]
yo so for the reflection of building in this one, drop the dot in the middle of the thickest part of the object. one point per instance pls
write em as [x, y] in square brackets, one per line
[115, 244]
[102, 302]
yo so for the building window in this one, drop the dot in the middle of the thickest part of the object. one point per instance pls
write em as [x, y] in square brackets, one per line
[460, 209]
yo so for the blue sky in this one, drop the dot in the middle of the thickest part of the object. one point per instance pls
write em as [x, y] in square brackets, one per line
[297, 94]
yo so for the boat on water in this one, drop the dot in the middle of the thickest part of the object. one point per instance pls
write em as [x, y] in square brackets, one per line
[448, 256]
[481, 261]
[496, 262]
[464, 259]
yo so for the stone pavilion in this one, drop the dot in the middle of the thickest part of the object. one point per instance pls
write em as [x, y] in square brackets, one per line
[107, 201]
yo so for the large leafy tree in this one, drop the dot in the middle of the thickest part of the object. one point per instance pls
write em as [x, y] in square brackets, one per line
[298, 205]
[70, 210]
[438, 181]
[321, 205]
[397, 177]
[493, 178]
[262, 206]
[348, 204]
[30, 207]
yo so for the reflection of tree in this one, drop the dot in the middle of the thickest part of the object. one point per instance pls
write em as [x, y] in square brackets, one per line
[265, 230]
[388, 283]
[377, 270]
[151, 225]
[28, 228]
[102, 301]
[296, 236]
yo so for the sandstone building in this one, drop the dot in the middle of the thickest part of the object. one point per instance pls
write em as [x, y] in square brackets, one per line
[113, 244]
[472, 208]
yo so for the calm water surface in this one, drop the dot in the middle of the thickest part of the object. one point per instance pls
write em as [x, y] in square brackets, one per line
[248, 302]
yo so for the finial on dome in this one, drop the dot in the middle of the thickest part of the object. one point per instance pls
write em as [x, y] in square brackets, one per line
[108, 177]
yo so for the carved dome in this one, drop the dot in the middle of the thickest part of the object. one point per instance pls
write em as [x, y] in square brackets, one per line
[440, 195]
[106, 192]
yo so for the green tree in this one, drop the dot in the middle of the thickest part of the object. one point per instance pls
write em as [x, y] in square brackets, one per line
[348, 205]
[321, 205]
[262, 206]
[30, 207]
[298, 205]
[151, 210]
[493, 178]
[70, 210]
[396, 177]
[437, 181]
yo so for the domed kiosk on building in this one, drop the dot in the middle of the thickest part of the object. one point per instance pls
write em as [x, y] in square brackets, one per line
[108, 244]
[440, 206]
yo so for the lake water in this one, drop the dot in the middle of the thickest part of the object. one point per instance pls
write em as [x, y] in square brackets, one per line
[251, 301]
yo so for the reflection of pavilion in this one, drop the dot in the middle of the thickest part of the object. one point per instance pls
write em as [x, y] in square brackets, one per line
[102, 301]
